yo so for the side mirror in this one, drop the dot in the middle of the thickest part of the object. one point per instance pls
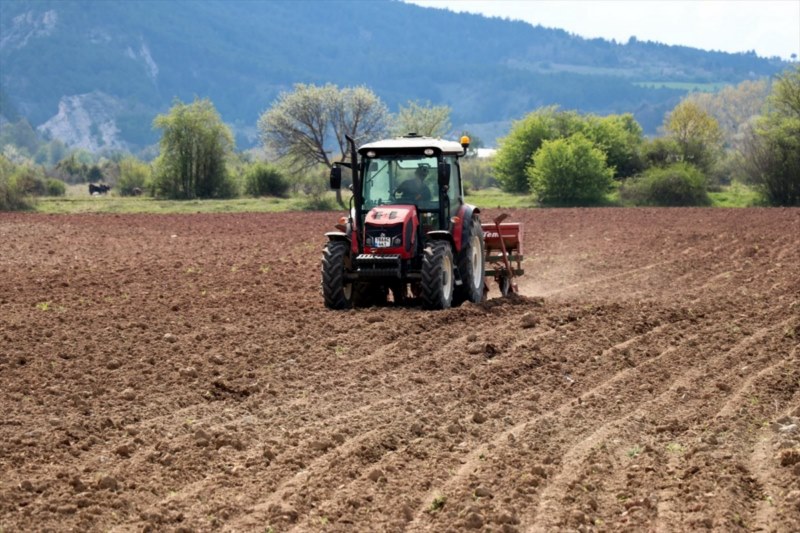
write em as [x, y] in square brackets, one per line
[336, 177]
[444, 175]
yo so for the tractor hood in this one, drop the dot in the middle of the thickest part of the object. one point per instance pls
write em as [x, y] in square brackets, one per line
[389, 215]
[391, 229]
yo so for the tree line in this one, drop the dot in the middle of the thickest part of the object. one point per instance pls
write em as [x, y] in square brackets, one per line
[748, 133]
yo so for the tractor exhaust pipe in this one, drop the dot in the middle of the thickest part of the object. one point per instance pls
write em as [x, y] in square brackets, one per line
[354, 170]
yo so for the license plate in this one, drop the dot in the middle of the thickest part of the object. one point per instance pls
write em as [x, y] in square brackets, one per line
[382, 242]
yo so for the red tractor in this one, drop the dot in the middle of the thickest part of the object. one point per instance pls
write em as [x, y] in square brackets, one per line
[410, 231]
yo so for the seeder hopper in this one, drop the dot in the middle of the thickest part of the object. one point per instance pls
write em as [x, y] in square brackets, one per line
[503, 243]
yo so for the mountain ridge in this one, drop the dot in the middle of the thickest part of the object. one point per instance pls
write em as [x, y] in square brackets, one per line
[136, 57]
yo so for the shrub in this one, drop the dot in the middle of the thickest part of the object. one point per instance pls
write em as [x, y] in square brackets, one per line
[680, 184]
[229, 187]
[660, 152]
[570, 171]
[133, 175]
[12, 198]
[316, 202]
[477, 174]
[55, 187]
[263, 179]
[30, 180]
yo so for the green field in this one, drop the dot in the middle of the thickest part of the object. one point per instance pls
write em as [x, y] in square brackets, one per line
[117, 204]
[735, 195]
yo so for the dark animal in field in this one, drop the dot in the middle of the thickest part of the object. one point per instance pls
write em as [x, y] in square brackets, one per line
[101, 188]
[137, 191]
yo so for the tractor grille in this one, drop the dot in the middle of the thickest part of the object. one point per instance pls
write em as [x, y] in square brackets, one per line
[394, 233]
[378, 266]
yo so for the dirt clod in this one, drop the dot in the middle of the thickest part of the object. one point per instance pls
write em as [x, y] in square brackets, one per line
[128, 394]
[479, 417]
[529, 320]
[474, 521]
[107, 483]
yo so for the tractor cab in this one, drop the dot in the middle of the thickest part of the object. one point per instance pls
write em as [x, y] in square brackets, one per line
[414, 171]
[422, 172]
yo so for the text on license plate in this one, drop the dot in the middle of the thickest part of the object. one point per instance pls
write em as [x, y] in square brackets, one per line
[382, 242]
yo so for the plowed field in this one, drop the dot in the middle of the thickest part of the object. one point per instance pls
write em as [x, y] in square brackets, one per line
[180, 373]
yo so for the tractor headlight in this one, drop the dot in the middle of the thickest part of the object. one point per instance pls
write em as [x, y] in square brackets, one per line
[369, 241]
[397, 241]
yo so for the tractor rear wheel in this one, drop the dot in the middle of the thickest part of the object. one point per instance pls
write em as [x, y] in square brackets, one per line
[470, 261]
[437, 275]
[336, 290]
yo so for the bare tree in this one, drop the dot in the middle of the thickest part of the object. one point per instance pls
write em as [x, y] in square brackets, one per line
[302, 125]
[423, 119]
[358, 113]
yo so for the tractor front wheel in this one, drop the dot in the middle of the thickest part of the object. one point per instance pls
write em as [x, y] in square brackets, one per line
[336, 262]
[437, 275]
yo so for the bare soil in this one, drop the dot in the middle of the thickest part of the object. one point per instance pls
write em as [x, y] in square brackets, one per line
[180, 373]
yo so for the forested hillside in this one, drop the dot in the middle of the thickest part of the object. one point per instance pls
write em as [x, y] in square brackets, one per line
[96, 73]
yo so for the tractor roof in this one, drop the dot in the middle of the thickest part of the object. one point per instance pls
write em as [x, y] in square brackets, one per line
[414, 142]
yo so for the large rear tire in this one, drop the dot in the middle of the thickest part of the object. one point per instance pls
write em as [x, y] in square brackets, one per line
[437, 275]
[471, 266]
[336, 290]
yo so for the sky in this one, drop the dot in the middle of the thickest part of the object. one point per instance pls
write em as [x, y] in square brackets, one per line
[770, 27]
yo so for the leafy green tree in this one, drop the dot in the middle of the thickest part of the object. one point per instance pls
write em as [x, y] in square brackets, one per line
[303, 124]
[517, 148]
[620, 137]
[697, 134]
[423, 119]
[733, 106]
[772, 145]
[570, 171]
[194, 146]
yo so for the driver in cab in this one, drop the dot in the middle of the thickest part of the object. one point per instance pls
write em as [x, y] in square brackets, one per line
[415, 189]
